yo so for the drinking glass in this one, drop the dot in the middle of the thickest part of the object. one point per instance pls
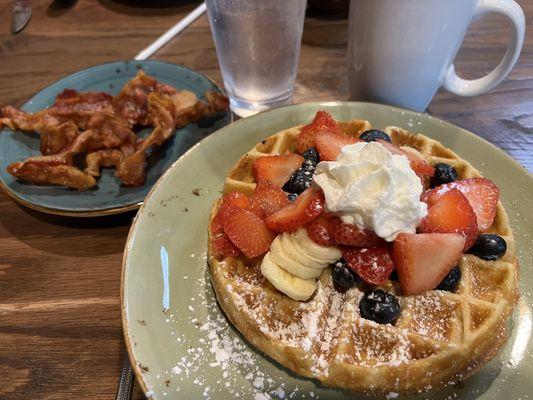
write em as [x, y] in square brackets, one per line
[258, 48]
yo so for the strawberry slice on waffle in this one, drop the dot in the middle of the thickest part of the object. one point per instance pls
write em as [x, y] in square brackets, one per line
[276, 169]
[450, 212]
[222, 244]
[373, 264]
[329, 144]
[351, 235]
[423, 260]
[323, 122]
[308, 206]
[418, 164]
[482, 194]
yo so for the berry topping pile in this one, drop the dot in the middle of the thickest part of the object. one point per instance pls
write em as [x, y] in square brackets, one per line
[286, 220]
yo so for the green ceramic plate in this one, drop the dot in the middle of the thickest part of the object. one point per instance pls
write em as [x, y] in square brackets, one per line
[179, 341]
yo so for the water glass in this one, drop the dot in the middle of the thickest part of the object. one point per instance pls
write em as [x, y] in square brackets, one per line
[258, 48]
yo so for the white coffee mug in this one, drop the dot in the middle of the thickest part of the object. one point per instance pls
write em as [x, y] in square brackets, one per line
[401, 51]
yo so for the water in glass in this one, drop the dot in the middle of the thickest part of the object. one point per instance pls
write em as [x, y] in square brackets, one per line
[258, 48]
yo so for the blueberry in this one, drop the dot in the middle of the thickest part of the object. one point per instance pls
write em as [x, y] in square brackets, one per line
[301, 179]
[489, 247]
[380, 307]
[311, 155]
[374, 134]
[292, 196]
[444, 173]
[450, 281]
[344, 276]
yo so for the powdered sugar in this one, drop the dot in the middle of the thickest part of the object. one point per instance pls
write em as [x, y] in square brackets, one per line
[312, 326]
[217, 352]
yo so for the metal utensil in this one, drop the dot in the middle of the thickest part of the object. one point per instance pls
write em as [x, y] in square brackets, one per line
[20, 15]
[125, 384]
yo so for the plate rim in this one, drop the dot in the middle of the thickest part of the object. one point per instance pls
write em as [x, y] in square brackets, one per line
[99, 212]
[131, 234]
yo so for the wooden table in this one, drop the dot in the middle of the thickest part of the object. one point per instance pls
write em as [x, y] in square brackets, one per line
[60, 328]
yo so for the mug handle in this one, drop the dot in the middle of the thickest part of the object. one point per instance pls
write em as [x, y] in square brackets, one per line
[515, 16]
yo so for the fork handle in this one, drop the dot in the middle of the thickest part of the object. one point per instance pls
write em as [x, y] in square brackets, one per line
[125, 384]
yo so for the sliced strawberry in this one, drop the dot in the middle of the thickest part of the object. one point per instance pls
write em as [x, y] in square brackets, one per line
[425, 195]
[423, 260]
[323, 122]
[223, 246]
[373, 264]
[351, 235]
[267, 199]
[233, 199]
[483, 196]
[329, 144]
[247, 231]
[308, 206]
[418, 164]
[276, 169]
[421, 167]
[450, 212]
[220, 241]
[318, 231]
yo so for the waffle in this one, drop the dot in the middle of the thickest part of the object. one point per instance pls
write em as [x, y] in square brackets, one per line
[440, 338]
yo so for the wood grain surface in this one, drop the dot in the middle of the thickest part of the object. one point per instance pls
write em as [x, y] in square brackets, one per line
[60, 328]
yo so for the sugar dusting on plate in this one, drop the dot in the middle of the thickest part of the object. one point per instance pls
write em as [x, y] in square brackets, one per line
[227, 356]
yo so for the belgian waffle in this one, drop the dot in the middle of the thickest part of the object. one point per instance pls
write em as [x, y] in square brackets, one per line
[440, 337]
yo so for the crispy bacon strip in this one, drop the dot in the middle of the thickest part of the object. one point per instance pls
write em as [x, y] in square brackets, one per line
[131, 103]
[110, 132]
[79, 107]
[70, 106]
[40, 171]
[55, 135]
[102, 159]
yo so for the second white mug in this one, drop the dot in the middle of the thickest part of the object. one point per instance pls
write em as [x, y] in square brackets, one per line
[401, 51]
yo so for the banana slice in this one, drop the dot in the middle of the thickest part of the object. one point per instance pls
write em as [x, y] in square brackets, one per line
[298, 254]
[325, 254]
[296, 288]
[278, 255]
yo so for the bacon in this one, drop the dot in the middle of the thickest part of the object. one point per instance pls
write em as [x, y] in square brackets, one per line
[55, 135]
[102, 159]
[132, 102]
[40, 171]
[100, 125]
[79, 107]
[167, 112]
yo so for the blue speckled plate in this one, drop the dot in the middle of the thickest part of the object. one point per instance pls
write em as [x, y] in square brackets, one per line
[109, 197]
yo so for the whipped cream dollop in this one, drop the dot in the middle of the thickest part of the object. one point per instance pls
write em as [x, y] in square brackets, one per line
[372, 188]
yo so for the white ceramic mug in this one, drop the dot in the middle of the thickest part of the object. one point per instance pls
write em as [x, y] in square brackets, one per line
[401, 51]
